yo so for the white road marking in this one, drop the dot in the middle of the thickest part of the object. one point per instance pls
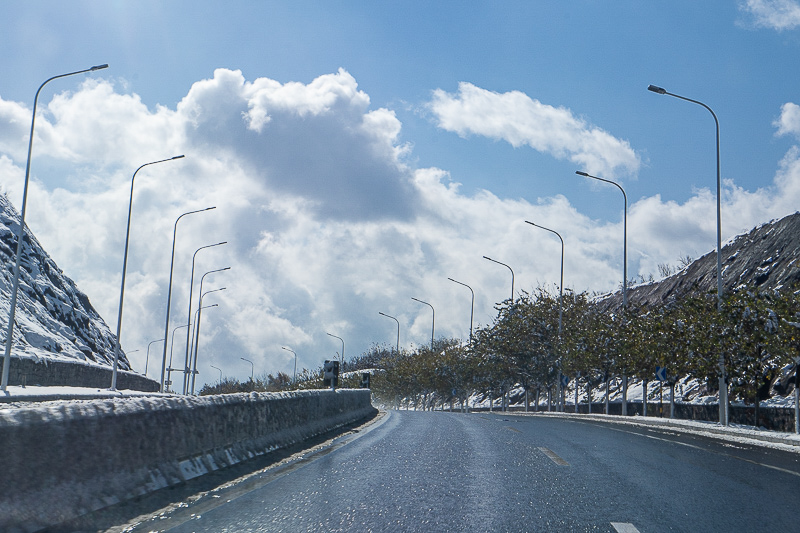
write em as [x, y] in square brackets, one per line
[553, 456]
[778, 468]
[624, 527]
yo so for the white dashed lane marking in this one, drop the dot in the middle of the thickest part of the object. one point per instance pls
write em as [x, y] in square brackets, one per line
[553, 457]
[624, 527]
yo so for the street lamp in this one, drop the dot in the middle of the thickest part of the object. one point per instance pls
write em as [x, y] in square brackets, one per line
[252, 367]
[169, 291]
[196, 331]
[124, 270]
[193, 369]
[560, 311]
[624, 235]
[341, 339]
[723, 386]
[398, 329]
[21, 230]
[220, 372]
[171, 349]
[512, 275]
[191, 290]
[198, 316]
[471, 310]
[433, 317]
[148, 354]
[561, 286]
[294, 380]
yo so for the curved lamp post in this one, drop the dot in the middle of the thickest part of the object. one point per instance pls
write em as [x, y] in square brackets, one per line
[196, 333]
[198, 316]
[252, 367]
[294, 380]
[433, 317]
[341, 339]
[560, 310]
[624, 235]
[723, 386]
[117, 348]
[21, 230]
[512, 275]
[220, 371]
[193, 370]
[624, 277]
[561, 285]
[471, 309]
[191, 291]
[171, 349]
[148, 354]
[397, 349]
[169, 291]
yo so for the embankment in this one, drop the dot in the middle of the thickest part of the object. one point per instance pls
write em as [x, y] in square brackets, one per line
[63, 459]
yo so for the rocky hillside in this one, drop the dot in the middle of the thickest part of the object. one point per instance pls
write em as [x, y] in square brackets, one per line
[54, 319]
[765, 258]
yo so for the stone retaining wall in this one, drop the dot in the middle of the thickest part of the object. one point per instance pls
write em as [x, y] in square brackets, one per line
[63, 459]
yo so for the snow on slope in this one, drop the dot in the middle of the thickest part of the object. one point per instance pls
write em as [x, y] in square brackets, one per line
[54, 319]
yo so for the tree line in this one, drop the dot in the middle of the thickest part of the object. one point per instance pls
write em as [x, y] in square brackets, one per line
[755, 335]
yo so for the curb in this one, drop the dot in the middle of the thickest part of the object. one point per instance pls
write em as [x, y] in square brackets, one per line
[696, 427]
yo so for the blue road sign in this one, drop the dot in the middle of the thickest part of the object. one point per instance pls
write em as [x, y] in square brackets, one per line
[564, 380]
[661, 373]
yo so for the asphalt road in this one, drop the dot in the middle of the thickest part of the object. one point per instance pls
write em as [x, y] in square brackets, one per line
[451, 472]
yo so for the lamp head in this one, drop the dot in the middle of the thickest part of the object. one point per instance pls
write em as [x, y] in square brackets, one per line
[656, 89]
[177, 157]
[581, 173]
[98, 67]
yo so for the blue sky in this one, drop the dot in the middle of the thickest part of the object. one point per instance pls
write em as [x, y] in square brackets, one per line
[333, 216]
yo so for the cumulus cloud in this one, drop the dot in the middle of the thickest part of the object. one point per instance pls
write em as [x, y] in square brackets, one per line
[520, 120]
[789, 121]
[326, 222]
[774, 14]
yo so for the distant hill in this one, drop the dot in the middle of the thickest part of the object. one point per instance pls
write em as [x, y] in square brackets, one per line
[54, 319]
[765, 258]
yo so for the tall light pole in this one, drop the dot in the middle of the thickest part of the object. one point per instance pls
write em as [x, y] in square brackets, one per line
[723, 386]
[624, 235]
[171, 349]
[169, 291]
[561, 285]
[220, 371]
[198, 316]
[148, 354]
[341, 339]
[117, 348]
[21, 230]
[193, 369]
[196, 333]
[397, 349]
[191, 290]
[252, 367]
[471, 309]
[294, 380]
[433, 317]
[560, 312]
[512, 275]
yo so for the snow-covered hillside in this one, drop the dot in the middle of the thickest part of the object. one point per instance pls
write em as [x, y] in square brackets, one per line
[765, 258]
[54, 319]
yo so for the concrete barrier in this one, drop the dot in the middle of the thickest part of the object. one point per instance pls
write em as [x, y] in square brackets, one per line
[55, 372]
[63, 459]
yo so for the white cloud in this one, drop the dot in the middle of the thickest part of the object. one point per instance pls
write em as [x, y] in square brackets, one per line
[520, 120]
[326, 224]
[775, 14]
[789, 121]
